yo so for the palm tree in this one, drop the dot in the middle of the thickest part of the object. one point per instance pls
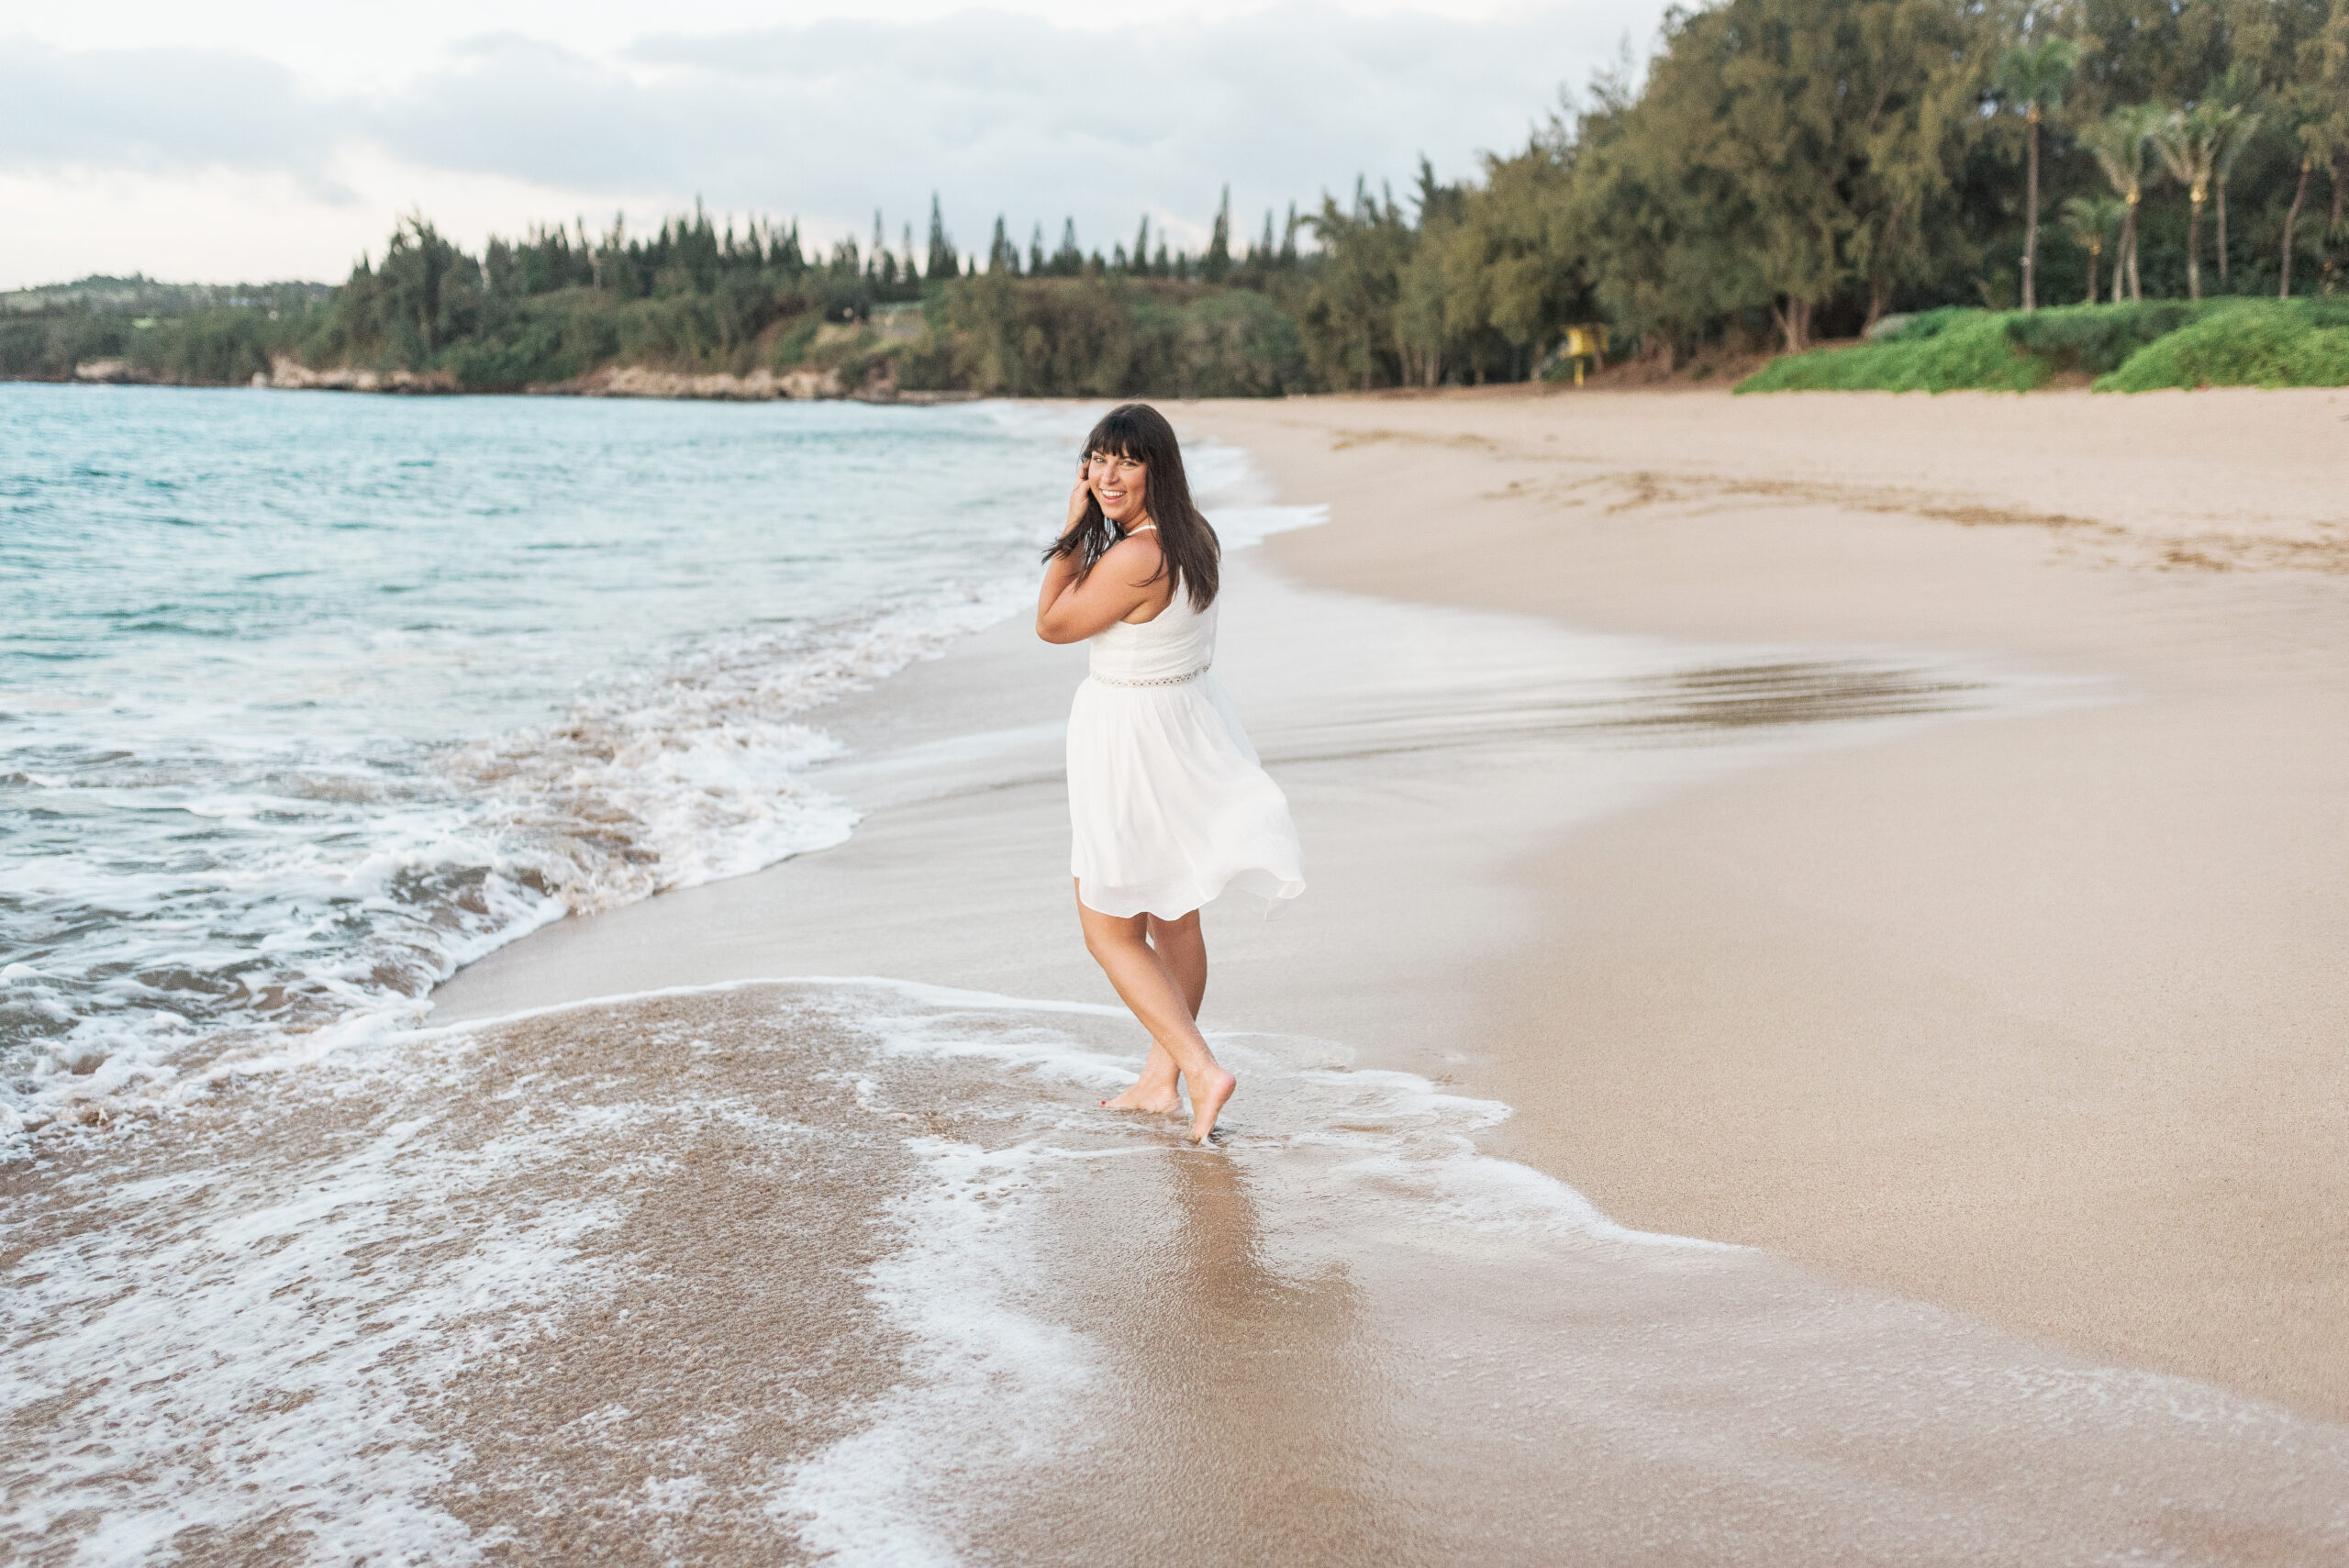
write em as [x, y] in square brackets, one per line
[2189, 141]
[2118, 141]
[2236, 95]
[2089, 221]
[2306, 118]
[2246, 126]
[2035, 75]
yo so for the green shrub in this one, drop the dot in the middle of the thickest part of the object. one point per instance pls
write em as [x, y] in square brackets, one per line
[1973, 353]
[2133, 347]
[2244, 343]
[1095, 337]
[1926, 324]
[791, 345]
[2094, 339]
[213, 345]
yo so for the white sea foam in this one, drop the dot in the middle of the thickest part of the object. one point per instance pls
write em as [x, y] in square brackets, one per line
[347, 885]
[250, 1332]
[296, 1313]
[1694, 1353]
[996, 1387]
[662, 778]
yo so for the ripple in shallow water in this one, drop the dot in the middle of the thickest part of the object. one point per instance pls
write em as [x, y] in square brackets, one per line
[754, 1273]
[313, 699]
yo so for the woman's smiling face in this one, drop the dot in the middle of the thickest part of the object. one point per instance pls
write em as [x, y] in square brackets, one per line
[1120, 484]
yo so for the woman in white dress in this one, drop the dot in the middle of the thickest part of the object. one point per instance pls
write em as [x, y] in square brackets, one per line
[1168, 802]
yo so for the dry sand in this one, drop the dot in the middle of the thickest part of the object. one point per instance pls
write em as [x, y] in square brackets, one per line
[2040, 1017]
[1802, 918]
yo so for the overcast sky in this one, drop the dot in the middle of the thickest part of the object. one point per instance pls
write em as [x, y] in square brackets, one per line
[265, 140]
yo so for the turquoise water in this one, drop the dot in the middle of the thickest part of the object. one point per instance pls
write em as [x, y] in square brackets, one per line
[306, 699]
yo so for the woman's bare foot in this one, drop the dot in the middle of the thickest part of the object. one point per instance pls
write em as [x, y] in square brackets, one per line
[1207, 1102]
[1154, 1099]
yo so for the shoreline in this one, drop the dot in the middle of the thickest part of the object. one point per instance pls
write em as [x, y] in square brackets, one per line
[1624, 379]
[652, 1242]
[611, 381]
[2034, 1016]
[1920, 1053]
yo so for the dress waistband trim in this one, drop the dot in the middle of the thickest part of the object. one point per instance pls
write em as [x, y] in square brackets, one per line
[1160, 681]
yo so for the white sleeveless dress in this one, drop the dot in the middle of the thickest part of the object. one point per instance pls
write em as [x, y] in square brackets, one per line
[1169, 803]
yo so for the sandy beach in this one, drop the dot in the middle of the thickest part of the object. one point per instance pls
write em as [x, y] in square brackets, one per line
[2038, 1017]
[1814, 1037]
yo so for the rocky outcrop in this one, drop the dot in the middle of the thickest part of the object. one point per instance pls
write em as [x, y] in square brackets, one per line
[759, 387]
[288, 374]
[921, 398]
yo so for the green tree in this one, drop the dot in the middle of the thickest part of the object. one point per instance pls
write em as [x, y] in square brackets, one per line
[1218, 267]
[2118, 142]
[426, 283]
[2301, 117]
[2032, 76]
[2319, 115]
[1782, 153]
[940, 262]
[1659, 229]
[2090, 223]
[1512, 275]
[1350, 317]
[2237, 94]
[2190, 142]
[2313, 116]
[1425, 299]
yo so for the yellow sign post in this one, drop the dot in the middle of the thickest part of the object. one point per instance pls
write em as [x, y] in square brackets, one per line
[1586, 343]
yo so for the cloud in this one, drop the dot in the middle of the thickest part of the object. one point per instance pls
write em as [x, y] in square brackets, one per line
[160, 111]
[1003, 113]
[996, 113]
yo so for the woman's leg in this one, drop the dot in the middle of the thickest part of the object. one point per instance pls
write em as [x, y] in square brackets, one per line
[1182, 950]
[1148, 987]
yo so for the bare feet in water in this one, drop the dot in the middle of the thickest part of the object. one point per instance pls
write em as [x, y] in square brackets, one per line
[1153, 1099]
[1160, 1099]
[1207, 1101]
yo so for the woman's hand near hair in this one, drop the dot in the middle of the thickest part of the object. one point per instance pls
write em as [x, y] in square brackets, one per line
[1080, 500]
[1071, 608]
[1060, 571]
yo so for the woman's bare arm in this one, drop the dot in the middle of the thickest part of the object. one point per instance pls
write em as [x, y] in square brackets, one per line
[1070, 609]
[1120, 583]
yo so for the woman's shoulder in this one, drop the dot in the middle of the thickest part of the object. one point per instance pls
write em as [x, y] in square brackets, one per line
[1136, 551]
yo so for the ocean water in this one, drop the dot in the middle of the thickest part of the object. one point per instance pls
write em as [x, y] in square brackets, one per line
[854, 1269]
[306, 700]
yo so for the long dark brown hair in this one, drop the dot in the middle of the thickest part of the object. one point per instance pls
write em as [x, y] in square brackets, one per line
[1185, 543]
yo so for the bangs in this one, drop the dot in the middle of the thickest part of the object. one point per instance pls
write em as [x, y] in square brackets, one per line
[1119, 434]
[1139, 433]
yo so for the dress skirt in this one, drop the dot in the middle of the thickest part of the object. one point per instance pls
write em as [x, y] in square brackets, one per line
[1169, 803]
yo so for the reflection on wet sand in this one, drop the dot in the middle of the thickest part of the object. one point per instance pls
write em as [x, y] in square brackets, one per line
[858, 1271]
[1245, 1422]
[1705, 702]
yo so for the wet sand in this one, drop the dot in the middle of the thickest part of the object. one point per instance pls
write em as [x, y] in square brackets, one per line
[2041, 1018]
[748, 1271]
[819, 1271]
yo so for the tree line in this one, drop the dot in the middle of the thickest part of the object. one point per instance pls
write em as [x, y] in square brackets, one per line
[1788, 169]
[1780, 171]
